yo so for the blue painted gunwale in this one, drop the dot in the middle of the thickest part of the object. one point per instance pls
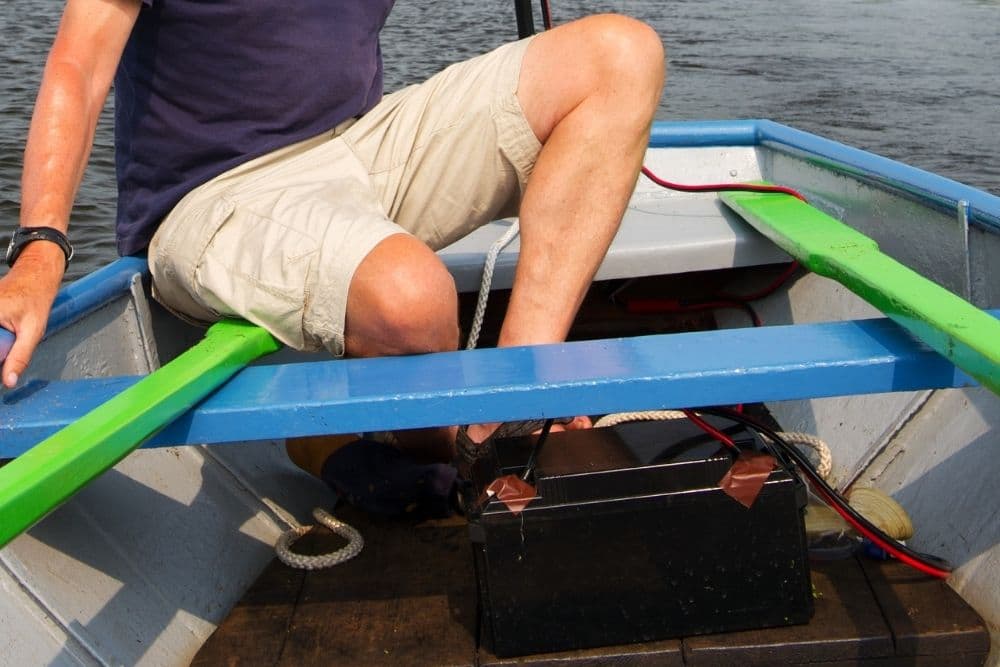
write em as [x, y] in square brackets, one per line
[594, 377]
[936, 191]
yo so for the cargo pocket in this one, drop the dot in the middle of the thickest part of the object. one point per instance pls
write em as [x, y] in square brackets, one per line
[257, 269]
[175, 253]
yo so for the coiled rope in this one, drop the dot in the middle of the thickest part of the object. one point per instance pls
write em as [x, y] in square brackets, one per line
[355, 543]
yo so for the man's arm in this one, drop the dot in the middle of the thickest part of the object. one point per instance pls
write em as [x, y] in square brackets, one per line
[78, 74]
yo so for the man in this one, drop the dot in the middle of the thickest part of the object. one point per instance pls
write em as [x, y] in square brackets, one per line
[266, 179]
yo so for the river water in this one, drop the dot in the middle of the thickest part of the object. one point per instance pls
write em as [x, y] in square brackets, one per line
[914, 80]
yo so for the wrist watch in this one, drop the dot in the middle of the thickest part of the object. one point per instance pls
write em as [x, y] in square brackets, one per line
[25, 235]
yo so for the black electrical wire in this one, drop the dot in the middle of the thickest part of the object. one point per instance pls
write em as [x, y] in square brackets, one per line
[926, 563]
[529, 469]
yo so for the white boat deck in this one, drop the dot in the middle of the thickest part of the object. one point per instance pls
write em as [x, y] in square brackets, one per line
[659, 235]
[662, 232]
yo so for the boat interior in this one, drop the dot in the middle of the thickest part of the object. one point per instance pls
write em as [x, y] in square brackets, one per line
[148, 560]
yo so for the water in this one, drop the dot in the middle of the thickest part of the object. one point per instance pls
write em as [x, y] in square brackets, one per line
[915, 80]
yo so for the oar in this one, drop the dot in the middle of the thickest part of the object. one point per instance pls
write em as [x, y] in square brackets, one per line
[964, 334]
[42, 478]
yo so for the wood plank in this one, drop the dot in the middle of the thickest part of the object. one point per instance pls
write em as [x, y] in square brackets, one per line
[927, 618]
[255, 631]
[847, 626]
[409, 598]
[890, 661]
[665, 653]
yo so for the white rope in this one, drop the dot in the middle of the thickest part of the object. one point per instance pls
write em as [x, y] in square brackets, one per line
[822, 450]
[645, 416]
[484, 286]
[353, 547]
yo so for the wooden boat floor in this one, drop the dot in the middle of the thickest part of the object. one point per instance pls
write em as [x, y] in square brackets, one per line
[410, 599]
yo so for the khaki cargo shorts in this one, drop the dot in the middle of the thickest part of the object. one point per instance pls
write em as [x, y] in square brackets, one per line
[276, 241]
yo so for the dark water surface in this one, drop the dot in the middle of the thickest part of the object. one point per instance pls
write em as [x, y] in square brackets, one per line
[914, 80]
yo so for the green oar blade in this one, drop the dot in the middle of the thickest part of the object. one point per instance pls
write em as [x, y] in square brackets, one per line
[50, 472]
[967, 336]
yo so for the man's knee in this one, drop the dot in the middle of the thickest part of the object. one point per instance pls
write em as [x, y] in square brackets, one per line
[420, 310]
[613, 60]
[623, 44]
[625, 49]
[404, 304]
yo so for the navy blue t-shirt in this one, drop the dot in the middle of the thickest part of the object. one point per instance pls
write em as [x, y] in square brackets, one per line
[205, 85]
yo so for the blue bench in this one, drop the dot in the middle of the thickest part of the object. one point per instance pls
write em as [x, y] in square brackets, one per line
[675, 370]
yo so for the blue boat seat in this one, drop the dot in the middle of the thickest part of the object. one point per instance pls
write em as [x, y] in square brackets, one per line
[594, 377]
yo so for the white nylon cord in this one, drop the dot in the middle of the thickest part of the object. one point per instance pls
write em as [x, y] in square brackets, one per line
[487, 281]
[822, 450]
[353, 547]
[645, 416]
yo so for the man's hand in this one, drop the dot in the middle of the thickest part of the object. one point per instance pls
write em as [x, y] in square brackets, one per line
[26, 296]
[78, 75]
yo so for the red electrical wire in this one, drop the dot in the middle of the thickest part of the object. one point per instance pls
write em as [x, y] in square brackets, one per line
[720, 187]
[722, 300]
[829, 496]
[891, 549]
[647, 306]
[711, 430]
[767, 290]
[922, 562]
[862, 526]
[818, 485]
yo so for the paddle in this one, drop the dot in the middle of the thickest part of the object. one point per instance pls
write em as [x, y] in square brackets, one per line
[964, 334]
[50, 472]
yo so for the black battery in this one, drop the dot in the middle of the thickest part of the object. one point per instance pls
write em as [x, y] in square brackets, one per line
[631, 539]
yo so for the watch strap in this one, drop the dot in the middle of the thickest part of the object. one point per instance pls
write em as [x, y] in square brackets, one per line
[25, 235]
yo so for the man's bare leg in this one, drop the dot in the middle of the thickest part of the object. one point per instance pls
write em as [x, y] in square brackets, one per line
[589, 90]
[403, 300]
